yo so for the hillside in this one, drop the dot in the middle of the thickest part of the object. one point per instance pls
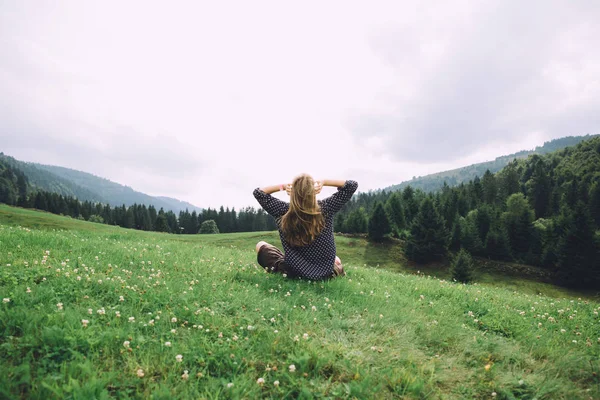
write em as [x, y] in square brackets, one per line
[40, 179]
[434, 182]
[542, 211]
[93, 311]
[85, 186]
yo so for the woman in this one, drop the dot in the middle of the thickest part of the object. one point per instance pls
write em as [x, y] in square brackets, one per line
[305, 228]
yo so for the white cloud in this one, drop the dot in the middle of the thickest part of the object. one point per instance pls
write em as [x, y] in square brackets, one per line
[205, 101]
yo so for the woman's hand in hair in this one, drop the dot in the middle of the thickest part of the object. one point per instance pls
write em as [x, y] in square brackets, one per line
[288, 189]
[318, 186]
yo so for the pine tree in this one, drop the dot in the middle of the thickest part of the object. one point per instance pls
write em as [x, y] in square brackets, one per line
[456, 236]
[233, 220]
[462, 267]
[161, 222]
[22, 187]
[489, 187]
[41, 202]
[172, 222]
[450, 208]
[357, 221]
[476, 191]
[539, 189]
[429, 236]
[497, 246]
[571, 194]
[470, 239]
[129, 221]
[153, 215]
[483, 221]
[379, 225]
[396, 212]
[510, 179]
[578, 252]
[7, 192]
[184, 221]
[411, 207]
[594, 203]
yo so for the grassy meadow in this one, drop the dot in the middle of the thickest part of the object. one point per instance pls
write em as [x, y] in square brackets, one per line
[94, 311]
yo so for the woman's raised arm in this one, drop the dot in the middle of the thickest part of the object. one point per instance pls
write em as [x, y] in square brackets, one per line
[275, 188]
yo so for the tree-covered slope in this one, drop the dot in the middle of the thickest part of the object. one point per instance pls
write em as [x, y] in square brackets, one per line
[115, 193]
[41, 179]
[88, 187]
[433, 182]
[543, 210]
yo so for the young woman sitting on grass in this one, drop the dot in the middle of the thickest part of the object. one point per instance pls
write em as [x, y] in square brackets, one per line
[305, 227]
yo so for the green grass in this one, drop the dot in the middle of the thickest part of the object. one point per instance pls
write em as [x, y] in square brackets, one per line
[378, 333]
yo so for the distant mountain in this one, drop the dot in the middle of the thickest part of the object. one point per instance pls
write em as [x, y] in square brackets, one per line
[176, 204]
[434, 182]
[85, 186]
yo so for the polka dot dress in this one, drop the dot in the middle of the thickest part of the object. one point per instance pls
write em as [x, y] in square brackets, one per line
[314, 261]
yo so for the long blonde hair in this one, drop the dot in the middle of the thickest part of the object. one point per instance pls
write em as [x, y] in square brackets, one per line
[303, 222]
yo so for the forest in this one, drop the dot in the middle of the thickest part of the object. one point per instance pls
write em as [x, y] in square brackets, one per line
[543, 211]
[435, 182]
[85, 186]
[15, 190]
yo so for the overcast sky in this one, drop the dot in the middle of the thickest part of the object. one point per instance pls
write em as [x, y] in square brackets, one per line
[204, 101]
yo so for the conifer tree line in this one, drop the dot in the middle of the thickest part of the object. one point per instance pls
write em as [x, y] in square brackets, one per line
[14, 191]
[542, 211]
